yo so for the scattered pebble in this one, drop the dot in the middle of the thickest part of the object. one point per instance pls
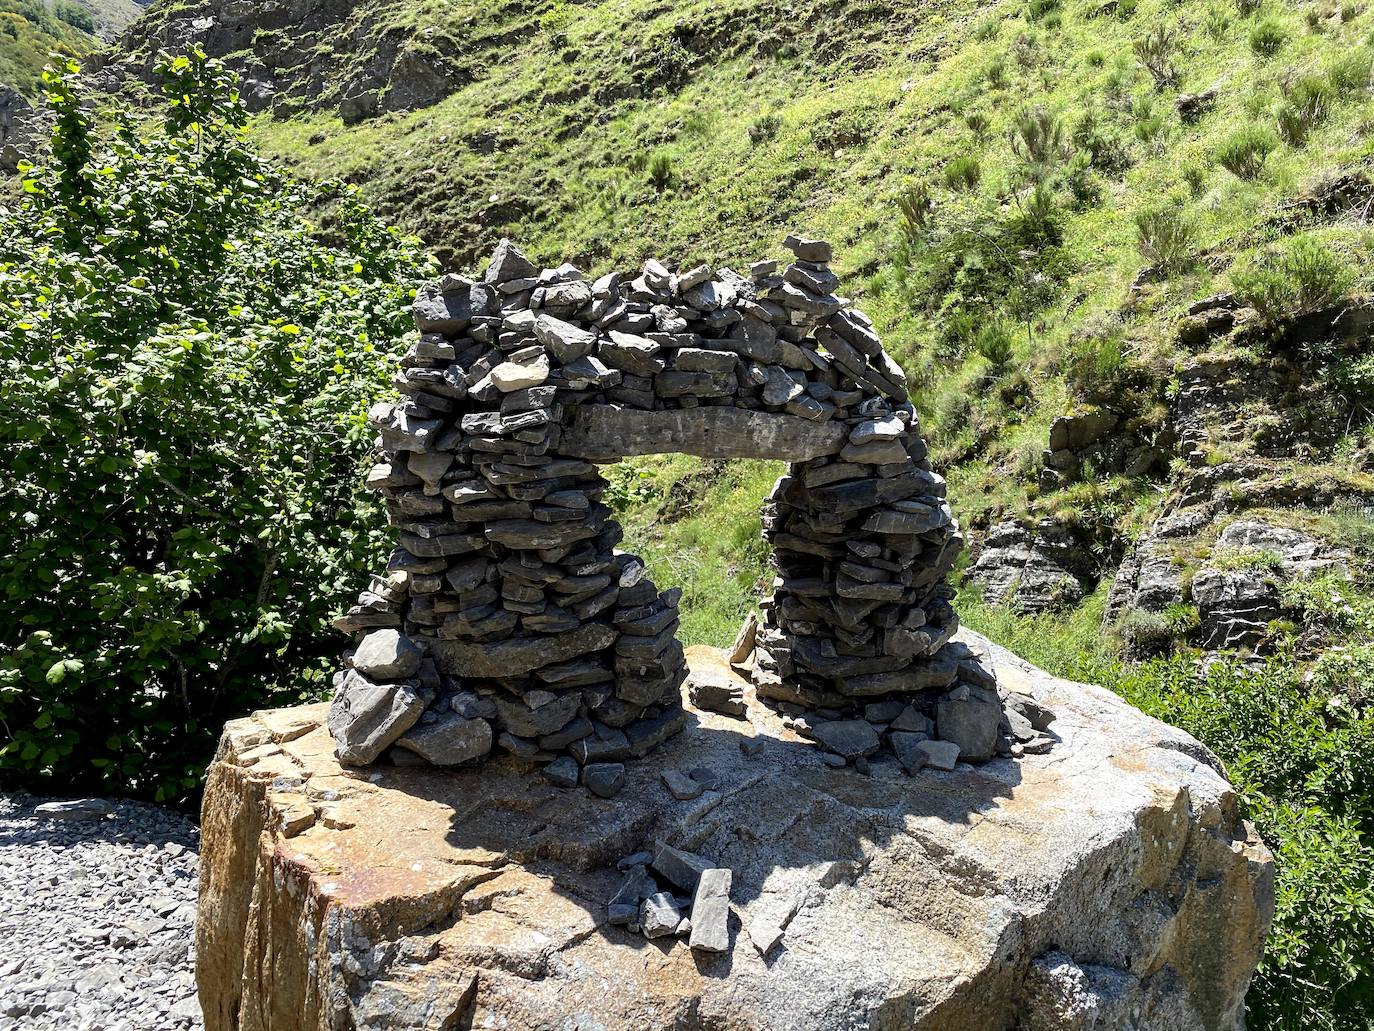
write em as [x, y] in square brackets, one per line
[97, 914]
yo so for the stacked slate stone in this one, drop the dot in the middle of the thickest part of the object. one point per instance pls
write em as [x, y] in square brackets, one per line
[522, 625]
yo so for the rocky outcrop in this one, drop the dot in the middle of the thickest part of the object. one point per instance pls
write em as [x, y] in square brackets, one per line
[1033, 568]
[21, 127]
[1111, 883]
[357, 58]
[1258, 418]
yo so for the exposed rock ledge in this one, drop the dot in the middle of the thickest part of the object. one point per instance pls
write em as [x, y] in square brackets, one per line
[1106, 884]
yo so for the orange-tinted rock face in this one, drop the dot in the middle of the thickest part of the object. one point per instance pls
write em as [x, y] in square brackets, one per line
[1109, 877]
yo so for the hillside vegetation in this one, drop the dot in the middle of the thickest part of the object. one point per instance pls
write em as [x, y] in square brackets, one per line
[1028, 197]
[31, 30]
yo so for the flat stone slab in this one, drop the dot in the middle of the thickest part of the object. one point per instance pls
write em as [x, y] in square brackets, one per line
[1110, 876]
[605, 433]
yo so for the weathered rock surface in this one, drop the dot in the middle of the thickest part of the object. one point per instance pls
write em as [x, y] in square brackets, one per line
[1033, 568]
[1109, 883]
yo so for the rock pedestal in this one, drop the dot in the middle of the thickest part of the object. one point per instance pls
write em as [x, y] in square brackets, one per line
[1106, 884]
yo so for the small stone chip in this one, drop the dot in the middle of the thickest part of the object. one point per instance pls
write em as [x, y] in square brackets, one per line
[680, 785]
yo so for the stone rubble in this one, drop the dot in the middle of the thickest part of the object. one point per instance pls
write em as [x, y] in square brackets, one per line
[97, 906]
[507, 620]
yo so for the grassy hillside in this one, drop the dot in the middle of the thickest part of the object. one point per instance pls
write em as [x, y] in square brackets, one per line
[1027, 196]
[30, 30]
[914, 137]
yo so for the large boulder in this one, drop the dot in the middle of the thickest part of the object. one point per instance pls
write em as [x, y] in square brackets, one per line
[1108, 883]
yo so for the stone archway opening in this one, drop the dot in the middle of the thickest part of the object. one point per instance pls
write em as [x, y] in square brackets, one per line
[508, 620]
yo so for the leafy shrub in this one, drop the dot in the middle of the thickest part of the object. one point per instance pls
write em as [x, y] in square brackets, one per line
[977, 122]
[187, 364]
[963, 172]
[1195, 179]
[661, 171]
[1268, 37]
[1301, 275]
[1125, 9]
[75, 15]
[764, 128]
[1155, 50]
[1243, 153]
[994, 344]
[1039, 139]
[1165, 238]
[1037, 9]
[1309, 102]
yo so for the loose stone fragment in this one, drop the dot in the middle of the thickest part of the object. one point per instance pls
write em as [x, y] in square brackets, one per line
[941, 755]
[848, 738]
[605, 780]
[969, 717]
[510, 376]
[680, 785]
[907, 747]
[448, 740]
[367, 717]
[564, 772]
[659, 915]
[681, 869]
[711, 912]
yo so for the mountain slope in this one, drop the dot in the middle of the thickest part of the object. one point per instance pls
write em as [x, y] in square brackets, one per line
[30, 30]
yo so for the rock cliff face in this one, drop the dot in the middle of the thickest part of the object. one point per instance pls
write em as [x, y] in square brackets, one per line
[1248, 460]
[1258, 424]
[1107, 884]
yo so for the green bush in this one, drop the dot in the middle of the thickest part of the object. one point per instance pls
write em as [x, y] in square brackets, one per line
[1309, 102]
[1243, 153]
[1268, 37]
[187, 363]
[1165, 237]
[994, 344]
[963, 172]
[75, 15]
[661, 171]
[1301, 275]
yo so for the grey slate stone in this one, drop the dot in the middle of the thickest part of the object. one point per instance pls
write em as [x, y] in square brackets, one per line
[387, 655]
[711, 912]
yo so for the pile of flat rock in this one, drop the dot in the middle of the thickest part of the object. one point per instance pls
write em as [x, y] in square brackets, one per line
[507, 618]
[672, 893]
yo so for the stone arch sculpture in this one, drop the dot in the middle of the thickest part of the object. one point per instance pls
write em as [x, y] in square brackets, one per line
[506, 618]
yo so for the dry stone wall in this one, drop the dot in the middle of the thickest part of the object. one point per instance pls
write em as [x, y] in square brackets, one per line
[508, 619]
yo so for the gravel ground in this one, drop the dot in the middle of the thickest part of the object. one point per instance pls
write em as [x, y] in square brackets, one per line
[96, 919]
